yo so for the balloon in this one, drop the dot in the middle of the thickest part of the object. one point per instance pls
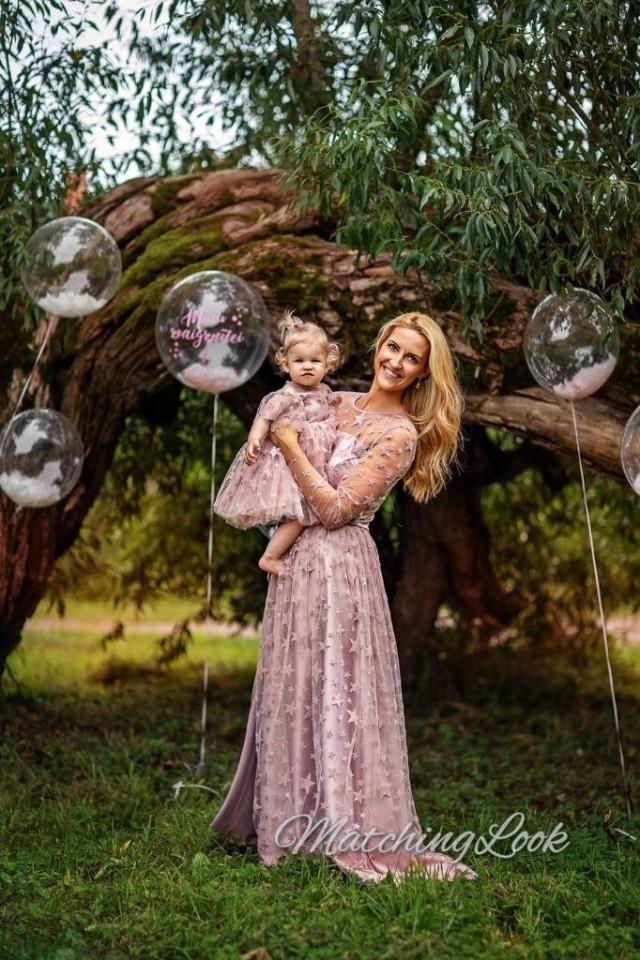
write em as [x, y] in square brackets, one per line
[571, 344]
[212, 331]
[41, 458]
[72, 267]
[630, 450]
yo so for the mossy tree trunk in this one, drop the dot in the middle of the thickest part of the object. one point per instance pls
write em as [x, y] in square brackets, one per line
[103, 368]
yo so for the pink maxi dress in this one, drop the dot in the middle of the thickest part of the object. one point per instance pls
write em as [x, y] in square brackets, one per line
[326, 734]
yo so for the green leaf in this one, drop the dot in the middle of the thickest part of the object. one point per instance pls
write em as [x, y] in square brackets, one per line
[450, 32]
[484, 60]
[440, 78]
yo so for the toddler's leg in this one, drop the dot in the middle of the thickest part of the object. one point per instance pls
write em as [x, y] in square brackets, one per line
[286, 535]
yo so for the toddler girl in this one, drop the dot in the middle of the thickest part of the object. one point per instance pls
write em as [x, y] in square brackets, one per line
[259, 488]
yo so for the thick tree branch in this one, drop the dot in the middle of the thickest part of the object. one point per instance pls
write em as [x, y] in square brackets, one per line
[538, 416]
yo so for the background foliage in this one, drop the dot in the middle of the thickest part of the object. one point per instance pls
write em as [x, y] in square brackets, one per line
[146, 536]
[466, 139]
[484, 136]
[540, 553]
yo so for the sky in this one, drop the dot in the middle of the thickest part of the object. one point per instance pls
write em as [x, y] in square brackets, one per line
[85, 13]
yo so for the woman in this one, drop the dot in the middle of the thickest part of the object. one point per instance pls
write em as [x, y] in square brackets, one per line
[325, 745]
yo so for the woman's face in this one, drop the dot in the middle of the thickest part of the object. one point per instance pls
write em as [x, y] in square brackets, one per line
[402, 358]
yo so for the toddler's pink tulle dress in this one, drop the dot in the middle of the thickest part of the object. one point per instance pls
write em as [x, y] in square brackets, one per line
[263, 493]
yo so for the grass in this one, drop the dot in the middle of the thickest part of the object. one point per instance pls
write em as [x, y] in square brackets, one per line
[100, 859]
[166, 608]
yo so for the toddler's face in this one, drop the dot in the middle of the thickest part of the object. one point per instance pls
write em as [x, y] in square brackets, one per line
[306, 363]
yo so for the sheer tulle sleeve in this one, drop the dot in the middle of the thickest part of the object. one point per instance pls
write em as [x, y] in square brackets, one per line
[274, 404]
[364, 484]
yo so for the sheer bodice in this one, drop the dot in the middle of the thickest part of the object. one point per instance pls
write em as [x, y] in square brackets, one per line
[373, 451]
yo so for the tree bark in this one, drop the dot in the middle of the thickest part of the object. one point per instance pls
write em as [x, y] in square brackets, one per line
[104, 367]
[446, 544]
[308, 74]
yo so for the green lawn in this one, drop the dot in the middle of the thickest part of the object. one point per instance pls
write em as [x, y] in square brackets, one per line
[165, 608]
[98, 859]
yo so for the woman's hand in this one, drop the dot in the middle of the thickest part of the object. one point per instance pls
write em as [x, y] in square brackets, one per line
[285, 437]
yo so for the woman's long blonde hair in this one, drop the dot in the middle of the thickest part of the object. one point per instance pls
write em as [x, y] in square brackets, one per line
[435, 406]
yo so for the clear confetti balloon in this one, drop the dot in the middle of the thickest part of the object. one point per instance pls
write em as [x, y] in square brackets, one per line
[212, 331]
[571, 344]
[630, 450]
[72, 267]
[41, 458]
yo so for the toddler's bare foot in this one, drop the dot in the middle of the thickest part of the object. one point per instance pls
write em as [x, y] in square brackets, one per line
[272, 565]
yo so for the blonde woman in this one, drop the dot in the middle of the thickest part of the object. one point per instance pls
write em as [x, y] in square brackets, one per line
[324, 765]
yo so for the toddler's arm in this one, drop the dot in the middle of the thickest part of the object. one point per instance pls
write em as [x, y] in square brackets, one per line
[259, 430]
[271, 407]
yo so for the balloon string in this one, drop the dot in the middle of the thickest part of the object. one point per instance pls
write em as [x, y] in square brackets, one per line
[203, 724]
[602, 619]
[211, 501]
[43, 347]
[25, 387]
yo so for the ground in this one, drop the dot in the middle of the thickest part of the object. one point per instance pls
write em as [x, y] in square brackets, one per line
[102, 857]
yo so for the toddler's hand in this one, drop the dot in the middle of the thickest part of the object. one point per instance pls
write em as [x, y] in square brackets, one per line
[253, 451]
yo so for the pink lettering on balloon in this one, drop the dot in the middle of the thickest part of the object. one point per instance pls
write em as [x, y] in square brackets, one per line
[197, 329]
[198, 317]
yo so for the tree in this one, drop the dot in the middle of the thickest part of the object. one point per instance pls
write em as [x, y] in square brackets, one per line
[471, 140]
[476, 155]
[242, 221]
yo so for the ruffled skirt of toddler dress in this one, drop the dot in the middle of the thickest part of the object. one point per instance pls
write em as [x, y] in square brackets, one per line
[264, 493]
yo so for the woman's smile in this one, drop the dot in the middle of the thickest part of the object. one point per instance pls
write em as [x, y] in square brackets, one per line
[402, 357]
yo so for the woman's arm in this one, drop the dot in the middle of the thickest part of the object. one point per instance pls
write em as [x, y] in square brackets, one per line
[363, 483]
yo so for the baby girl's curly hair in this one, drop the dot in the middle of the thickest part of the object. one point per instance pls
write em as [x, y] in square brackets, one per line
[293, 330]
